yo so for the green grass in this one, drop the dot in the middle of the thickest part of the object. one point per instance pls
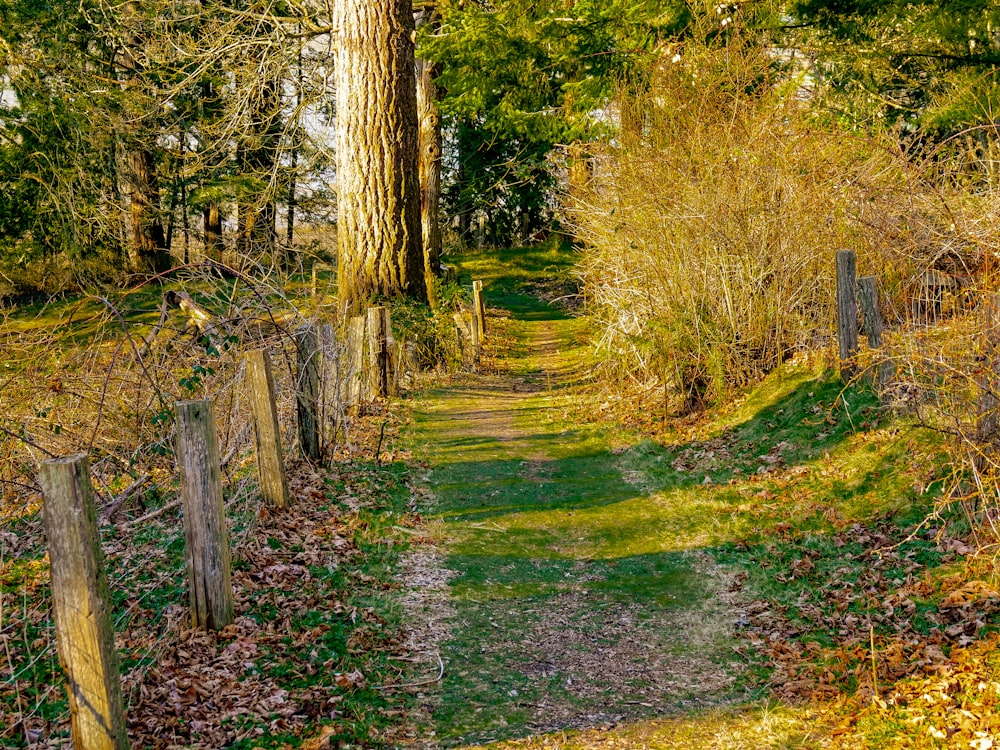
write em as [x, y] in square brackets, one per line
[804, 490]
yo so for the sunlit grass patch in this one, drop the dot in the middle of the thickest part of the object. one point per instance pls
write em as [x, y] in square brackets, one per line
[791, 524]
[751, 727]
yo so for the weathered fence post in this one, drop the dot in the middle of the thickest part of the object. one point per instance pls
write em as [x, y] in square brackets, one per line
[378, 353]
[307, 391]
[205, 534]
[477, 341]
[479, 308]
[81, 606]
[987, 419]
[872, 315]
[481, 231]
[392, 355]
[270, 460]
[847, 312]
[330, 395]
[355, 375]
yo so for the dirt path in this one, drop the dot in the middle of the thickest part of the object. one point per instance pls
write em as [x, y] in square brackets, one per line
[560, 611]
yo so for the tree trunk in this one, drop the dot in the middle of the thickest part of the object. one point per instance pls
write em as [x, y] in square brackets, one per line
[256, 233]
[429, 131]
[378, 187]
[212, 223]
[149, 252]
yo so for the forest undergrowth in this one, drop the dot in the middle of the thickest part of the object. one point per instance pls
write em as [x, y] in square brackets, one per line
[865, 603]
[855, 603]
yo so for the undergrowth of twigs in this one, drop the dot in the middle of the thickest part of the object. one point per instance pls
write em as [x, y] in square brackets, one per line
[317, 656]
[314, 658]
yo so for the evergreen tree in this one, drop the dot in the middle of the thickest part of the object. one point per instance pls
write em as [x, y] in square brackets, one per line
[922, 64]
[379, 250]
[522, 78]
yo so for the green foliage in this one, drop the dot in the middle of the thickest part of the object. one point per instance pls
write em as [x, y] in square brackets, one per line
[521, 77]
[931, 64]
[118, 121]
[433, 333]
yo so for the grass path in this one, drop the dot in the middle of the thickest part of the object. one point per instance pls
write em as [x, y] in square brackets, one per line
[571, 606]
[736, 583]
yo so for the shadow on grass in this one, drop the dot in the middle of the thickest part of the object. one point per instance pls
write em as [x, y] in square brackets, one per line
[552, 530]
[550, 469]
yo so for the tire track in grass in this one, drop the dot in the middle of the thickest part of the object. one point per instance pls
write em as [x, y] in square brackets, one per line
[570, 608]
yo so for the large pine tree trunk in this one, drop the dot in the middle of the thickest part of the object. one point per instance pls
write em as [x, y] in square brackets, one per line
[429, 132]
[378, 189]
[149, 251]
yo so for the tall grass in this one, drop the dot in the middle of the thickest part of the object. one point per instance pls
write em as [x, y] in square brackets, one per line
[709, 234]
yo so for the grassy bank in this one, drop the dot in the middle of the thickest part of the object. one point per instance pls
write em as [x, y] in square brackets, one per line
[790, 546]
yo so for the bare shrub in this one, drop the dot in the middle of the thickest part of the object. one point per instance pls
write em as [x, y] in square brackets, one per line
[710, 233]
[102, 377]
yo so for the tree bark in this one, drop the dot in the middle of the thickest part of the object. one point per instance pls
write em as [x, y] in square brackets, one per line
[149, 252]
[429, 133]
[378, 188]
[212, 223]
[256, 233]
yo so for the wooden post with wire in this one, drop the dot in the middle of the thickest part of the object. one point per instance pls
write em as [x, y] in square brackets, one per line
[355, 380]
[847, 312]
[317, 269]
[479, 309]
[391, 356]
[873, 328]
[81, 606]
[307, 391]
[330, 384]
[378, 352]
[267, 435]
[205, 535]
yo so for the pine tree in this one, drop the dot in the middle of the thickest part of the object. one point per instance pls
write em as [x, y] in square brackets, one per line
[378, 189]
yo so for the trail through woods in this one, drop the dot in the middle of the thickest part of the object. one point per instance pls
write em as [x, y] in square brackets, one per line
[566, 605]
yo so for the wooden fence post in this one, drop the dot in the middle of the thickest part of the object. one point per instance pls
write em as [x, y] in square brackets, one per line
[479, 308]
[987, 419]
[81, 606]
[847, 312]
[270, 460]
[378, 353]
[355, 375]
[391, 355]
[205, 534]
[316, 270]
[481, 231]
[872, 315]
[330, 394]
[307, 391]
